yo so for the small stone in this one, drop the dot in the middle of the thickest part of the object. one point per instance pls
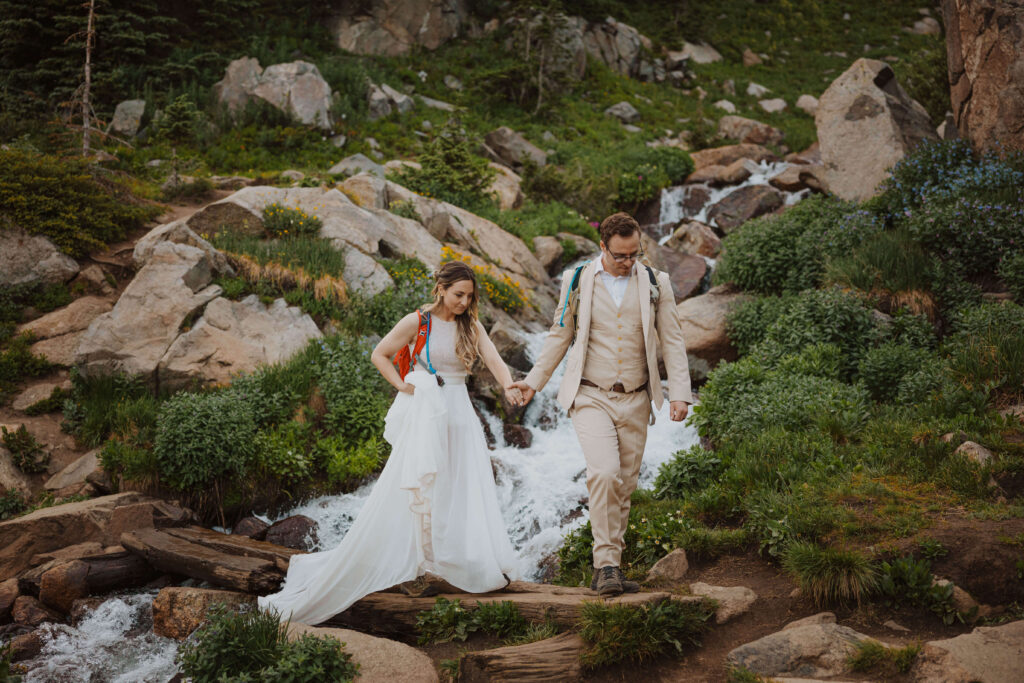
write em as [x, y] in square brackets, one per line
[293, 175]
[733, 601]
[623, 111]
[338, 140]
[750, 58]
[726, 105]
[773, 106]
[892, 625]
[807, 104]
[975, 451]
[452, 83]
[757, 90]
[630, 128]
[729, 87]
[672, 567]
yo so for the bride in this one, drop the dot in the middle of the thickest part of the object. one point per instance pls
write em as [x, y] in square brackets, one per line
[434, 507]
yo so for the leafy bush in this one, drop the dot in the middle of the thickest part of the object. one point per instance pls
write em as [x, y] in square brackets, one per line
[253, 646]
[1011, 272]
[64, 200]
[970, 231]
[873, 656]
[906, 580]
[93, 409]
[640, 184]
[347, 464]
[685, 472]
[284, 222]
[282, 454]
[357, 396]
[830, 575]
[203, 439]
[405, 209]
[623, 633]
[547, 218]
[17, 362]
[26, 453]
[449, 170]
[985, 351]
[449, 620]
[883, 368]
[787, 253]
[892, 266]
[12, 504]
[748, 322]
[379, 313]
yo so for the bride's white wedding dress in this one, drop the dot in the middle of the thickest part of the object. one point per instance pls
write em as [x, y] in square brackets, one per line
[433, 509]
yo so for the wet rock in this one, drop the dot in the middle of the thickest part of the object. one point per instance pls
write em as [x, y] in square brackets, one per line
[510, 341]
[81, 609]
[693, 237]
[517, 436]
[733, 601]
[298, 532]
[816, 650]
[749, 130]
[28, 611]
[63, 584]
[8, 594]
[866, 123]
[251, 527]
[672, 567]
[178, 611]
[26, 646]
[742, 205]
[988, 653]
[723, 156]
[32, 259]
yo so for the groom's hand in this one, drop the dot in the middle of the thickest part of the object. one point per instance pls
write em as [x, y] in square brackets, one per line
[527, 390]
[677, 410]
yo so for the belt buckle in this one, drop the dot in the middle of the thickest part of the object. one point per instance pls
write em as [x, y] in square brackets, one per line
[617, 387]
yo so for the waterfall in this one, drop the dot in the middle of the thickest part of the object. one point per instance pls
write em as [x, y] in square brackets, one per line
[538, 487]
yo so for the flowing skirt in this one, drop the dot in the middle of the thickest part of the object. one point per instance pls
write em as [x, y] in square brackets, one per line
[433, 509]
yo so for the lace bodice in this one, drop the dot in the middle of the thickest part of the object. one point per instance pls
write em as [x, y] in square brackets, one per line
[442, 347]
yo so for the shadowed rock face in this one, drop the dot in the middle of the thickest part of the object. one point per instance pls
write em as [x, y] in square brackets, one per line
[985, 44]
[393, 27]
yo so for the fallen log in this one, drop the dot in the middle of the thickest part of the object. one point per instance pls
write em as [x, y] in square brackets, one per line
[552, 659]
[169, 553]
[234, 545]
[395, 615]
[61, 585]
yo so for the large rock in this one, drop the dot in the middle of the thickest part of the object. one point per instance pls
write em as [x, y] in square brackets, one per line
[749, 130]
[379, 659]
[296, 88]
[135, 335]
[816, 650]
[74, 317]
[623, 111]
[988, 653]
[8, 594]
[75, 473]
[685, 271]
[866, 123]
[127, 116]
[178, 232]
[357, 163]
[393, 27]
[512, 149]
[985, 48]
[506, 187]
[800, 176]
[701, 53]
[745, 203]
[30, 612]
[723, 156]
[55, 527]
[180, 610]
[32, 259]
[549, 252]
[235, 337]
[297, 531]
[693, 237]
[618, 45]
[703, 320]
[733, 601]
[715, 175]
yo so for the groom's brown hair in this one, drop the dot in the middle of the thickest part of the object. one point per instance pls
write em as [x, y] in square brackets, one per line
[618, 224]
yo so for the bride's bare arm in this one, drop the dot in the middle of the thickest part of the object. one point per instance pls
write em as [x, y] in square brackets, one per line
[402, 334]
[496, 365]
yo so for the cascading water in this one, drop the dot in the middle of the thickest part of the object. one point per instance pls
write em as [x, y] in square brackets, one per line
[539, 487]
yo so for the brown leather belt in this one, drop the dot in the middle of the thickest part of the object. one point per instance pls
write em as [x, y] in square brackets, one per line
[617, 387]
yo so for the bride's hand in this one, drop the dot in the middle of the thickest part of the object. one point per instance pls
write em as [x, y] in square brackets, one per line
[514, 396]
[408, 389]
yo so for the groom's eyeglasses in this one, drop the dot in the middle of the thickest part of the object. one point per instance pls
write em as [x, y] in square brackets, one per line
[619, 258]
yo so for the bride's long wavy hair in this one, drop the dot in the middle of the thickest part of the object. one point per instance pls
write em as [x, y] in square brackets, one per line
[466, 335]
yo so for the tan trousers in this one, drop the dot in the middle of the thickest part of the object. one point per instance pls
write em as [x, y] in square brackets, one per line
[612, 429]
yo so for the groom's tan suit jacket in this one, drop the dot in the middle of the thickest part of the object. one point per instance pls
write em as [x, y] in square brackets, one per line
[660, 326]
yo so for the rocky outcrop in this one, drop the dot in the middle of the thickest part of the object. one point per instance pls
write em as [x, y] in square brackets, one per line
[127, 117]
[988, 653]
[685, 271]
[379, 659]
[75, 473]
[180, 610]
[32, 259]
[812, 651]
[296, 88]
[393, 27]
[693, 237]
[745, 203]
[618, 45]
[178, 232]
[866, 123]
[60, 332]
[235, 337]
[508, 147]
[703, 320]
[132, 338]
[985, 48]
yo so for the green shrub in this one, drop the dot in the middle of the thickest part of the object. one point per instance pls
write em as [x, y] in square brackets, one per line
[636, 633]
[985, 351]
[281, 221]
[874, 657]
[203, 439]
[449, 170]
[972, 232]
[283, 454]
[829, 575]
[1011, 272]
[194, 190]
[912, 329]
[749, 321]
[449, 620]
[687, 471]
[12, 504]
[253, 646]
[883, 368]
[26, 453]
[346, 463]
[51, 297]
[640, 184]
[17, 363]
[892, 265]
[379, 313]
[787, 253]
[781, 513]
[66, 201]
[92, 410]
[907, 581]
[274, 147]
[357, 396]
[549, 218]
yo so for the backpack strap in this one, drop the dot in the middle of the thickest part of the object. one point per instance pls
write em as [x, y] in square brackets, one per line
[573, 286]
[423, 339]
[655, 287]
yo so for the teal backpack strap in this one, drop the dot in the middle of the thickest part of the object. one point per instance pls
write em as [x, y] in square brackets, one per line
[573, 286]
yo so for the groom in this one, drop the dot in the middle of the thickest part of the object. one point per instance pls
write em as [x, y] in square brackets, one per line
[615, 312]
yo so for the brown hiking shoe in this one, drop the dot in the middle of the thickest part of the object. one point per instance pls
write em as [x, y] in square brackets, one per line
[627, 585]
[607, 582]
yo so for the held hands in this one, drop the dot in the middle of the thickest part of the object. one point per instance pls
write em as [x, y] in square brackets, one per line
[677, 410]
[522, 392]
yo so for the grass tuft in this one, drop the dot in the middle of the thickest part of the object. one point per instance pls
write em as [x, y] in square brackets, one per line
[831, 575]
[624, 633]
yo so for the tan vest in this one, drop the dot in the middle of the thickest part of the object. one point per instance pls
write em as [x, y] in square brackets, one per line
[615, 349]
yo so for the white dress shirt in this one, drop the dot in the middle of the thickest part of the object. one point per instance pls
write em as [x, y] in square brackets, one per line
[615, 284]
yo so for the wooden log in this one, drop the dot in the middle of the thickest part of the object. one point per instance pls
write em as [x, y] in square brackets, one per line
[234, 545]
[552, 659]
[395, 615]
[176, 555]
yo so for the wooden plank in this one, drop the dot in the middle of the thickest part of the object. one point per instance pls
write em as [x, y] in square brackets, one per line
[178, 556]
[395, 615]
[553, 659]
